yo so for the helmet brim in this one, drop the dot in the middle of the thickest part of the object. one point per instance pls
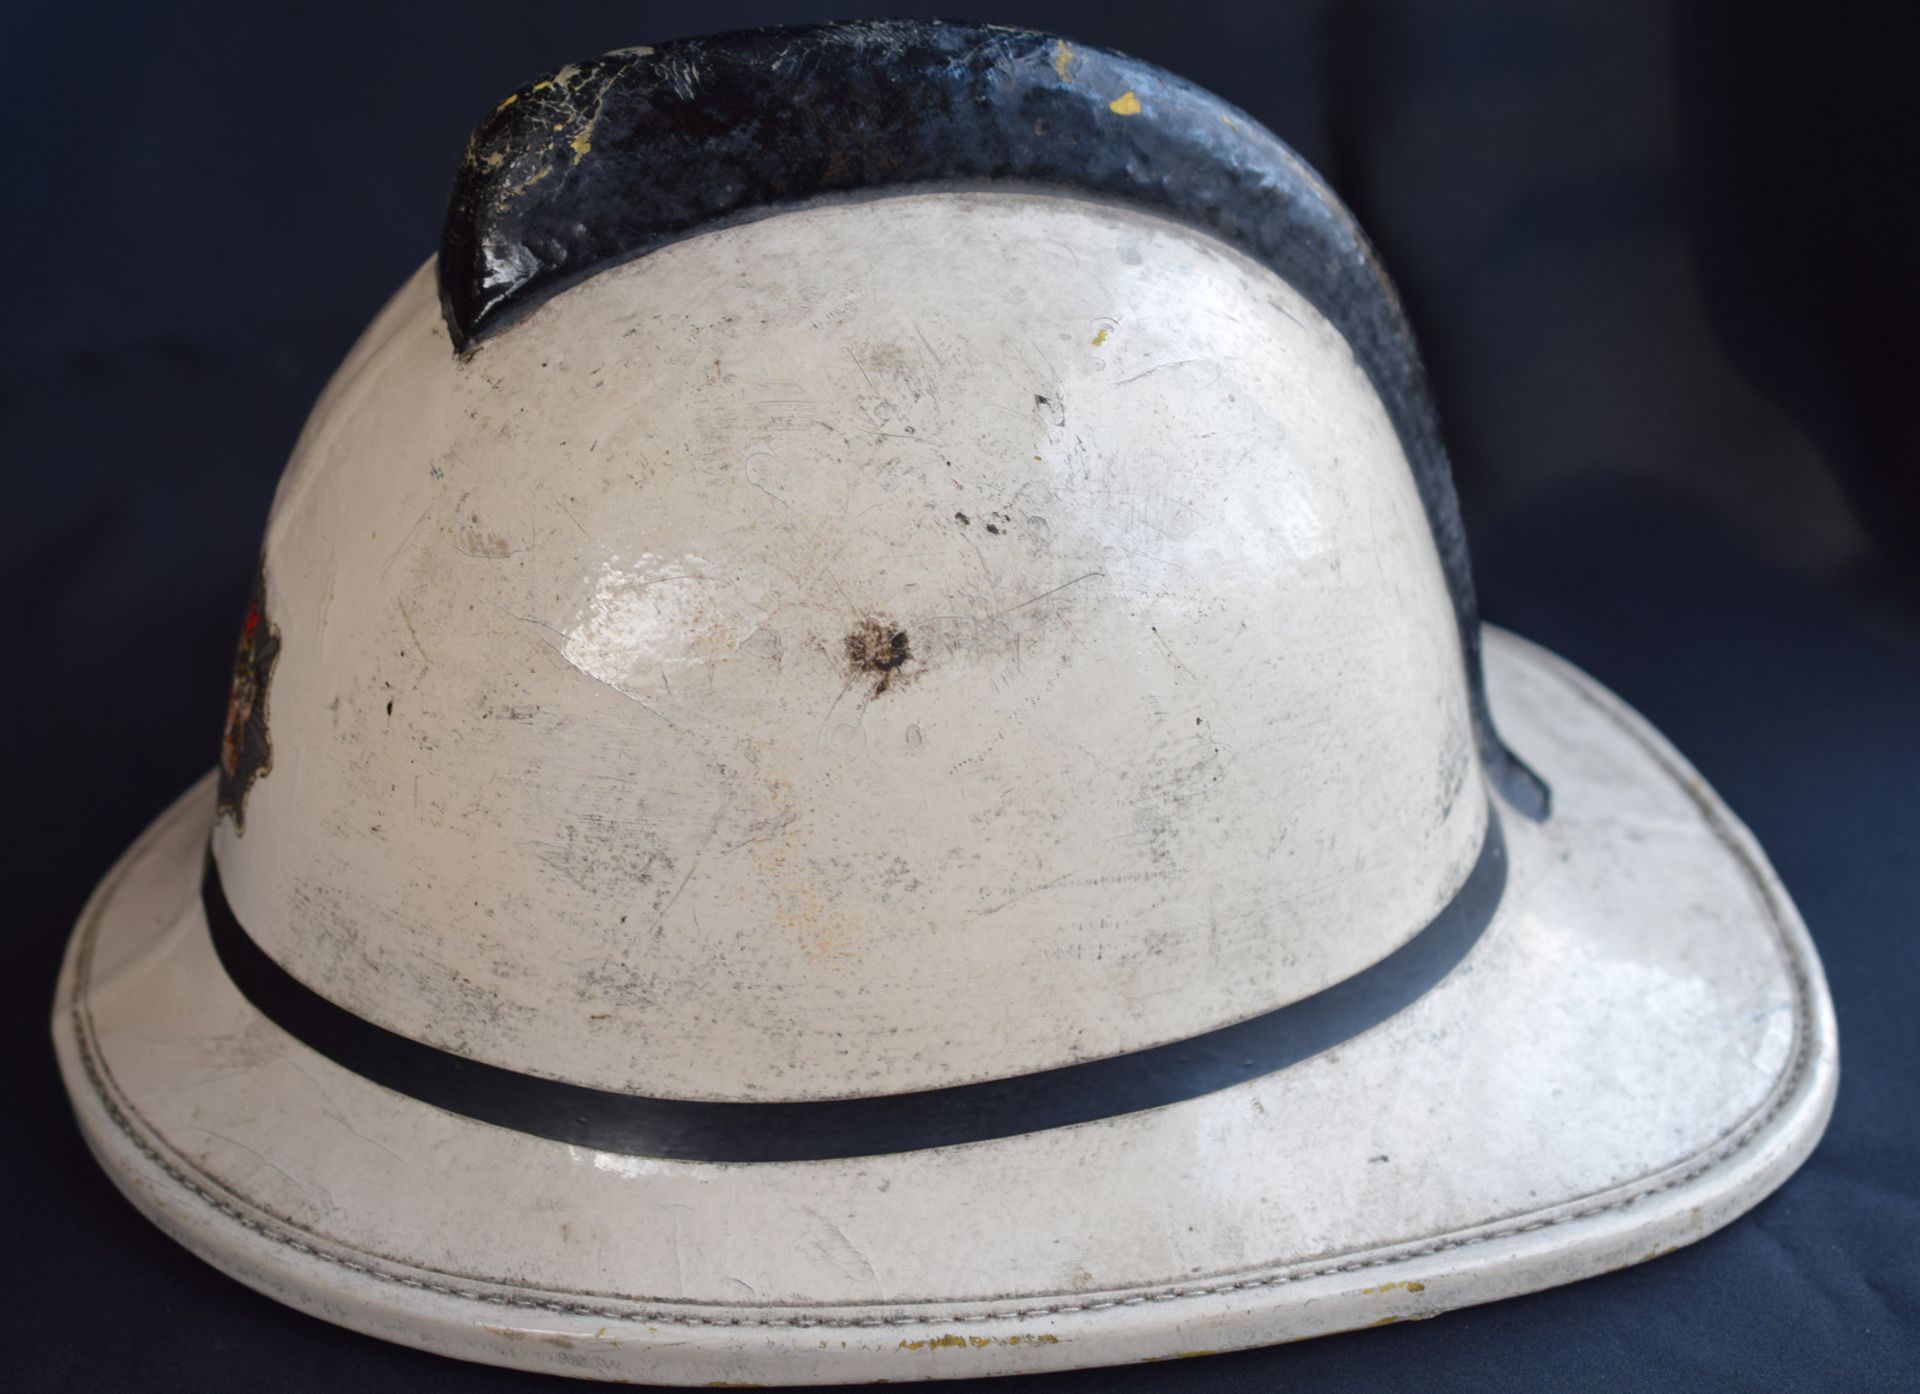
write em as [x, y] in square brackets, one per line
[1639, 1048]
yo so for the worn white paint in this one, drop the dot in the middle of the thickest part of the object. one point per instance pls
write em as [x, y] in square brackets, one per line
[1180, 742]
[1639, 1049]
[1182, 738]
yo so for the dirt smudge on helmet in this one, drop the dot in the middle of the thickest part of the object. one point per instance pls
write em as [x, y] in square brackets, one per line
[878, 648]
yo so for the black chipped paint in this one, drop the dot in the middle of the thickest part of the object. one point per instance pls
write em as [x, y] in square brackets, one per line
[620, 155]
[246, 752]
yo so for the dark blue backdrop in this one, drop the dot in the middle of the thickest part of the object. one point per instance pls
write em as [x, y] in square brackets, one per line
[1662, 266]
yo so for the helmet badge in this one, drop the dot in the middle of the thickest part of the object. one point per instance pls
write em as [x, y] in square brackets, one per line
[245, 751]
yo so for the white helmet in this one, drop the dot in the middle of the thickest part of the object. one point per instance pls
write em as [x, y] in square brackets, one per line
[864, 752]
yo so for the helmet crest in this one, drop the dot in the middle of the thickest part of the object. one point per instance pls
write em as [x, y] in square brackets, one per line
[610, 159]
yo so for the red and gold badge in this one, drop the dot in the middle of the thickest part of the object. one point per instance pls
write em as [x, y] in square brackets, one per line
[245, 751]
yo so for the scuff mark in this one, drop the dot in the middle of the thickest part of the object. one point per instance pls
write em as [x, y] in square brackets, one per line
[693, 865]
[426, 659]
[322, 1206]
[830, 1244]
[765, 832]
[1035, 599]
[1156, 368]
[486, 546]
[1172, 657]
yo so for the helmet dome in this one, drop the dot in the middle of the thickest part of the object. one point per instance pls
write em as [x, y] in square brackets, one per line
[873, 648]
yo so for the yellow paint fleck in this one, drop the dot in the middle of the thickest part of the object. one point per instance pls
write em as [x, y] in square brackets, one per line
[1062, 55]
[953, 1342]
[542, 85]
[1101, 337]
[581, 145]
[1229, 122]
[511, 99]
[1126, 104]
[1393, 1287]
[1386, 1321]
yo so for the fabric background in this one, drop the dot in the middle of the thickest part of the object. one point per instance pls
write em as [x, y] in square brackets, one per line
[1661, 262]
